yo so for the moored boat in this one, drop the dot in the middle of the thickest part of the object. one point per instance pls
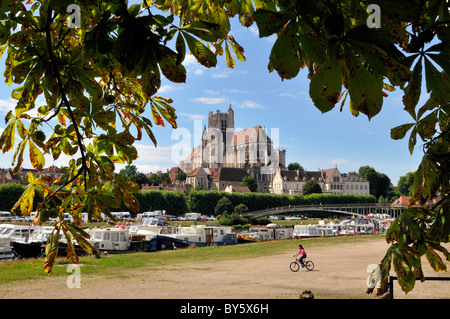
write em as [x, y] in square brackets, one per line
[313, 231]
[161, 242]
[265, 233]
[203, 235]
[9, 233]
[115, 240]
[34, 245]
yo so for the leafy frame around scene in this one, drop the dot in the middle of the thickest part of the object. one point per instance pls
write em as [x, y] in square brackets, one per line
[99, 78]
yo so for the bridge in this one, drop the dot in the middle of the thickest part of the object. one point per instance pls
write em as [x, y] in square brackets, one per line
[358, 210]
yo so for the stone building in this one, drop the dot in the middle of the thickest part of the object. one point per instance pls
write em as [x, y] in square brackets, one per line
[330, 180]
[250, 149]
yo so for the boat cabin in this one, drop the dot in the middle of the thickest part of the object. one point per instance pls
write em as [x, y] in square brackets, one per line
[202, 235]
[270, 232]
[114, 239]
[311, 231]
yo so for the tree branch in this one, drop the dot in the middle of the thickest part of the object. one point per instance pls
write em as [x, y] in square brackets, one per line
[56, 74]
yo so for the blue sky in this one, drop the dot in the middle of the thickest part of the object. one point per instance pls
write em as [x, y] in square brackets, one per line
[259, 97]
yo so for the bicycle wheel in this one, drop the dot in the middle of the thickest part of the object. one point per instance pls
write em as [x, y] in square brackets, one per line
[309, 265]
[294, 266]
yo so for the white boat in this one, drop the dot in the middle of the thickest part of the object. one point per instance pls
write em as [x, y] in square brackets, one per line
[110, 239]
[265, 233]
[206, 235]
[133, 239]
[353, 227]
[312, 231]
[5, 217]
[34, 245]
[150, 227]
[9, 233]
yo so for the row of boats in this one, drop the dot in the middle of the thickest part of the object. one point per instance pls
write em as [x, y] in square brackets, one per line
[153, 234]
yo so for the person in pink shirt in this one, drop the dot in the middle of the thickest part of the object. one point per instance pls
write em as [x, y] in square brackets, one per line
[302, 253]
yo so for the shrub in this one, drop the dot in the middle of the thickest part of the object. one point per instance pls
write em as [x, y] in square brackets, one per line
[224, 206]
[10, 194]
[205, 202]
[172, 202]
[240, 209]
[311, 187]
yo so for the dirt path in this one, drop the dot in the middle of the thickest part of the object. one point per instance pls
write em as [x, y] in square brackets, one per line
[340, 272]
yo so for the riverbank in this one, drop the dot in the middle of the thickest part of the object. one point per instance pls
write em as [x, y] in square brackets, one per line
[340, 273]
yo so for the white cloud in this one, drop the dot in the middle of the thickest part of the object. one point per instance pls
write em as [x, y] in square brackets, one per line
[7, 105]
[220, 74]
[250, 105]
[189, 59]
[198, 71]
[254, 29]
[192, 66]
[193, 116]
[237, 91]
[150, 153]
[209, 100]
[211, 92]
[166, 88]
[338, 161]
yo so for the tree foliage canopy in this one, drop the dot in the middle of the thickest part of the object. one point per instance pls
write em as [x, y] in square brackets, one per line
[379, 182]
[250, 182]
[311, 187]
[98, 80]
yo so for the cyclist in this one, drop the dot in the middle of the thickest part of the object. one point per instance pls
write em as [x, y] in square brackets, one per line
[302, 252]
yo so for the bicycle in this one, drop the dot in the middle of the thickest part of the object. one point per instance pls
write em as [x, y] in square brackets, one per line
[295, 265]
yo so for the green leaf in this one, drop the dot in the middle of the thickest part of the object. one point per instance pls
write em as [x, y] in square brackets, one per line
[413, 90]
[437, 83]
[270, 22]
[181, 48]
[426, 127]
[238, 50]
[325, 86]
[203, 55]
[8, 137]
[405, 276]
[443, 57]
[80, 235]
[229, 58]
[435, 260]
[412, 140]
[36, 157]
[172, 71]
[51, 250]
[399, 132]
[365, 89]
[25, 201]
[207, 31]
[284, 57]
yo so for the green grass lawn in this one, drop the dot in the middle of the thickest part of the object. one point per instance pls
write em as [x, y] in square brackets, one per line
[22, 270]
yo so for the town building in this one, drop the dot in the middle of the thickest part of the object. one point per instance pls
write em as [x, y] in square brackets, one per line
[330, 180]
[250, 149]
[228, 176]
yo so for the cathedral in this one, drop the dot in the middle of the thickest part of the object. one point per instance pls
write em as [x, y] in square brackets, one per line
[223, 147]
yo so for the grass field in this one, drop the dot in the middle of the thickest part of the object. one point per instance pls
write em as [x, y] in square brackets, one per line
[22, 270]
